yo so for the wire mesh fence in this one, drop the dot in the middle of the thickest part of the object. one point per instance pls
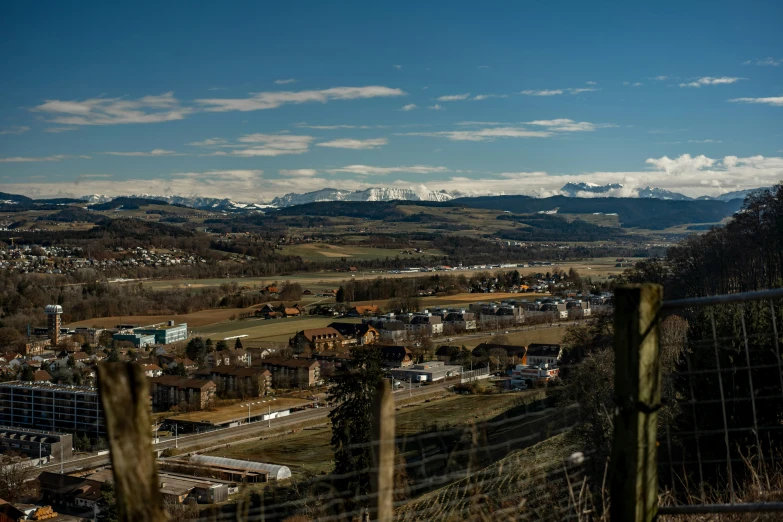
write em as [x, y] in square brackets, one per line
[720, 423]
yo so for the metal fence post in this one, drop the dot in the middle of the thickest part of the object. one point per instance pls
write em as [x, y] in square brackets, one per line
[382, 477]
[637, 380]
[125, 398]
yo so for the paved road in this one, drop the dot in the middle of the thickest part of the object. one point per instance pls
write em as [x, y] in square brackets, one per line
[216, 437]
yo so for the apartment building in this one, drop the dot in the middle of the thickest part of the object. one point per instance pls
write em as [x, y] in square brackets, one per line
[52, 407]
[36, 443]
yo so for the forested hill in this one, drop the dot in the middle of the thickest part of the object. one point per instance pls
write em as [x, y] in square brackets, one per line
[633, 212]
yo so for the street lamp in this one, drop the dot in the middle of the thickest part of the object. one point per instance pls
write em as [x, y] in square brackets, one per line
[269, 415]
[248, 410]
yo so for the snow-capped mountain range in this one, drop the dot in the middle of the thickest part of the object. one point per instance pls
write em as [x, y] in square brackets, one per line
[575, 190]
[390, 194]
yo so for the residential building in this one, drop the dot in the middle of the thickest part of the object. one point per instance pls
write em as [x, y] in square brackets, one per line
[316, 340]
[53, 322]
[291, 373]
[460, 321]
[54, 407]
[544, 354]
[390, 331]
[171, 390]
[396, 356]
[36, 443]
[354, 333]
[165, 333]
[363, 311]
[241, 381]
[76, 494]
[424, 324]
[152, 370]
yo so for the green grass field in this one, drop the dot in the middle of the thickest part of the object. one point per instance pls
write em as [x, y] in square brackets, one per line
[267, 329]
[323, 251]
[309, 450]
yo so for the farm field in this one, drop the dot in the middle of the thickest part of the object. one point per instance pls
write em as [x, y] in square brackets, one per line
[267, 329]
[543, 335]
[309, 450]
[238, 412]
[194, 319]
[321, 251]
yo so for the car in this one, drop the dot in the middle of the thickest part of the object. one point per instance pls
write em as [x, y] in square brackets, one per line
[451, 339]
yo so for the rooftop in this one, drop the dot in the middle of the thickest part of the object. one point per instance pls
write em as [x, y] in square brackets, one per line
[48, 386]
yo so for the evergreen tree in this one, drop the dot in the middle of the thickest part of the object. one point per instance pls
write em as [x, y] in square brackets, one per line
[209, 346]
[354, 391]
[238, 344]
[221, 345]
[340, 297]
[87, 348]
[107, 504]
[114, 355]
[196, 349]
[28, 374]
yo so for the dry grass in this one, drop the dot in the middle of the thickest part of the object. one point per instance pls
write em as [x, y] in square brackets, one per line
[238, 412]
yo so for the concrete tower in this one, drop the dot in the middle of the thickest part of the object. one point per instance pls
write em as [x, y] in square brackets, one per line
[53, 322]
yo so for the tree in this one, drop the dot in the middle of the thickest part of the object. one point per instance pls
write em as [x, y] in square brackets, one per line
[209, 346]
[87, 348]
[354, 391]
[107, 504]
[71, 362]
[196, 350]
[14, 477]
[221, 345]
[28, 374]
[291, 291]
[238, 344]
[114, 355]
[340, 296]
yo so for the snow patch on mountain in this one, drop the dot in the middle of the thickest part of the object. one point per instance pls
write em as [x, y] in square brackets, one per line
[370, 194]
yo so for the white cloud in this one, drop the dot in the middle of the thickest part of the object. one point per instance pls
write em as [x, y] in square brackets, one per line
[60, 129]
[398, 67]
[435, 107]
[453, 97]
[693, 176]
[58, 157]
[775, 101]
[210, 142]
[302, 173]
[409, 107]
[705, 141]
[566, 125]
[682, 164]
[635, 84]
[480, 97]
[591, 83]
[272, 100]
[332, 127]
[661, 78]
[544, 92]
[483, 66]
[367, 170]
[708, 80]
[272, 145]
[285, 82]
[487, 134]
[20, 129]
[154, 152]
[354, 144]
[113, 111]
[581, 90]
[769, 61]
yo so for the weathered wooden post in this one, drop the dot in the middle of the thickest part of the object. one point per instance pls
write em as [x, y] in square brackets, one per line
[382, 477]
[637, 382]
[125, 398]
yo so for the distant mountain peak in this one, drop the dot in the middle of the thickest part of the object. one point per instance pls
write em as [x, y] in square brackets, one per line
[370, 194]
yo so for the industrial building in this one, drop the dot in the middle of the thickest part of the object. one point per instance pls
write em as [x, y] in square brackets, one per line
[36, 443]
[138, 340]
[165, 333]
[54, 407]
[429, 371]
[272, 471]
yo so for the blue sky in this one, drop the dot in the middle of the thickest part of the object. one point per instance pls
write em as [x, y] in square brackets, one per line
[250, 100]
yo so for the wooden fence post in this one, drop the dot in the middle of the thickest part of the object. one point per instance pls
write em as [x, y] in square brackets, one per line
[125, 398]
[382, 478]
[637, 382]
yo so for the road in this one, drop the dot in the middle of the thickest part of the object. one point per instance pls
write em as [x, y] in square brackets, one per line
[218, 436]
